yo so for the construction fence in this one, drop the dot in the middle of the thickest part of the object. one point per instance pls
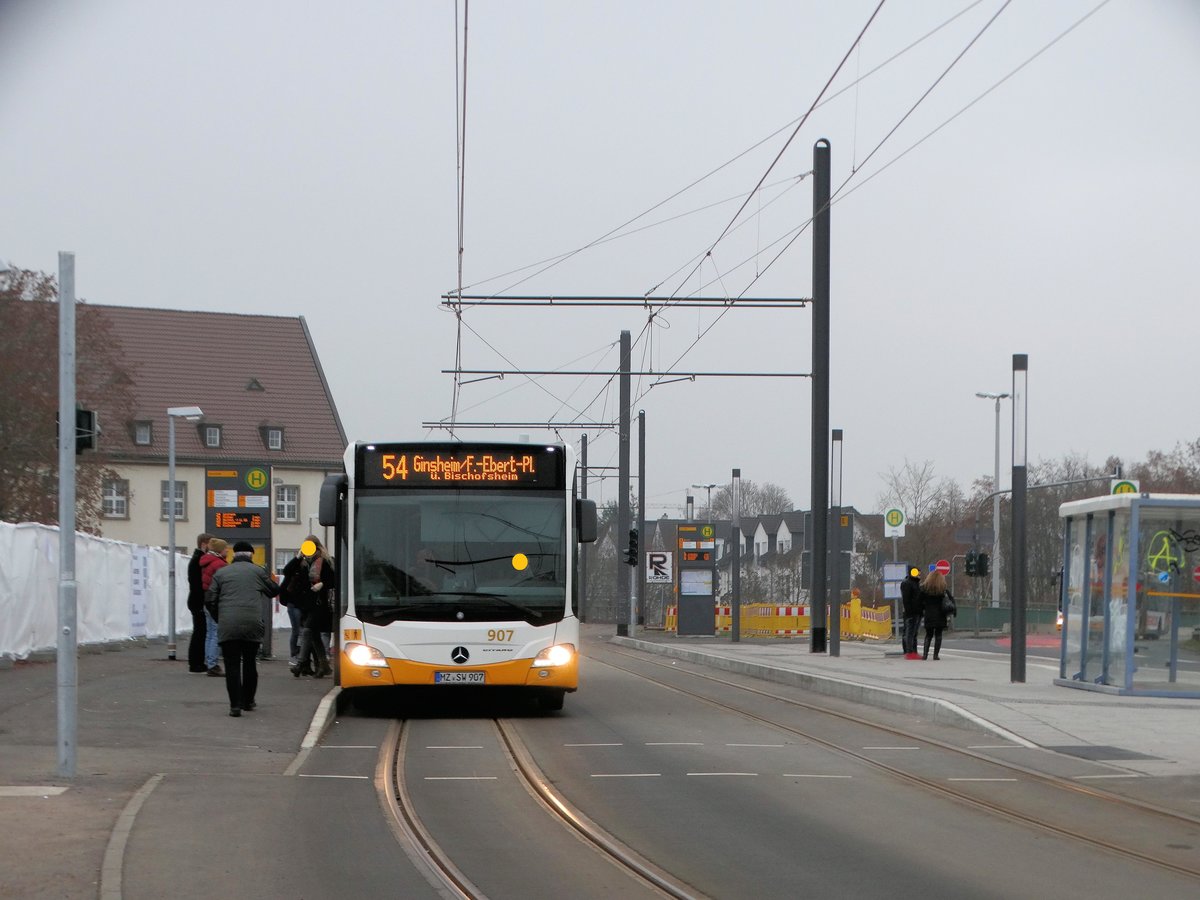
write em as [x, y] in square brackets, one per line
[767, 620]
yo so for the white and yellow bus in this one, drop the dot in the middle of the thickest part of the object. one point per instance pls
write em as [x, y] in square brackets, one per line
[457, 565]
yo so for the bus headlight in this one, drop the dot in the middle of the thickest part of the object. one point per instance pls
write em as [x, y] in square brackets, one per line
[558, 655]
[364, 655]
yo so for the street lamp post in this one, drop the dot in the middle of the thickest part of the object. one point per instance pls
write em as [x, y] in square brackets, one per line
[192, 414]
[707, 487]
[995, 500]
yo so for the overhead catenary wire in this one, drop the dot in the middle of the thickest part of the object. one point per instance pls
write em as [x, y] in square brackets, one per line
[460, 128]
[562, 257]
[756, 192]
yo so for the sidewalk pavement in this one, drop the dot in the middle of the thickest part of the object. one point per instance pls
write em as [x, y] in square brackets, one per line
[1145, 735]
[138, 715]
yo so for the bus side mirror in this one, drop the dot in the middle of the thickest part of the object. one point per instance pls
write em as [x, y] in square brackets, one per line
[332, 490]
[585, 520]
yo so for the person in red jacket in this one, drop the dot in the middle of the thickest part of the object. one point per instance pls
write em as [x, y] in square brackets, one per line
[210, 562]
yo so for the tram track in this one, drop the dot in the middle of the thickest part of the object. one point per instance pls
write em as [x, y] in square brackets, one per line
[429, 856]
[1189, 839]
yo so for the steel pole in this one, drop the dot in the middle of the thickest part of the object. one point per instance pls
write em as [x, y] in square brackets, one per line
[625, 603]
[170, 536]
[820, 391]
[735, 564]
[583, 548]
[66, 660]
[1017, 586]
[996, 519]
[640, 568]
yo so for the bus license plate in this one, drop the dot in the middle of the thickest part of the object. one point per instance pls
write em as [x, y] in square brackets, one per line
[458, 678]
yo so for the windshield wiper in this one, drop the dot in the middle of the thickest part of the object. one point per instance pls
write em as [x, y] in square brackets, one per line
[528, 610]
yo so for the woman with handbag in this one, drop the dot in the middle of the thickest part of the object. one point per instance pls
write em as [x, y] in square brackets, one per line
[938, 605]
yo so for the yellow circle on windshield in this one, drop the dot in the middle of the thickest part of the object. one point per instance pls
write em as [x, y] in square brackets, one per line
[520, 561]
[308, 548]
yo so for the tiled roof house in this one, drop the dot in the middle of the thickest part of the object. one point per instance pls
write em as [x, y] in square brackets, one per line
[266, 406]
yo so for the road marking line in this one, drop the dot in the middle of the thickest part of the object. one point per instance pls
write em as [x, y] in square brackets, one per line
[114, 853]
[630, 775]
[786, 775]
[674, 744]
[1094, 777]
[453, 747]
[981, 779]
[353, 777]
[349, 747]
[756, 745]
[723, 773]
[18, 790]
[996, 747]
[593, 745]
[460, 777]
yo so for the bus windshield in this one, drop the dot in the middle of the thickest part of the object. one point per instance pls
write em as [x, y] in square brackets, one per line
[459, 556]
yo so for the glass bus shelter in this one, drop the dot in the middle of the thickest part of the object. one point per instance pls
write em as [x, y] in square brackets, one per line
[1131, 593]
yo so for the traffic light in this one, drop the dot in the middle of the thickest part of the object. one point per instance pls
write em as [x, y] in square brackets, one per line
[981, 565]
[631, 553]
[971, 564]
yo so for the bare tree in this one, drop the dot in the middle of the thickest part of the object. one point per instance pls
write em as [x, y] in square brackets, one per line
[767, 499]
[29, 401]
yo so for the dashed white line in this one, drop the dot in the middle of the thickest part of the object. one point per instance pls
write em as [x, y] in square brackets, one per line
[593, 745]
[674, 744]
[996, 747]
[453, 747]
[18, 790]
[1095, 777]
[756, 745]
[351, 777]
[981, 779]
[628, 775]
[706, 774]
[891, 748]
[460, 778]
[786, 775]
[349, 747]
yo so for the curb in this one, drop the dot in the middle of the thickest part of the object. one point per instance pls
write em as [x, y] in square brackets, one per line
[933, 708]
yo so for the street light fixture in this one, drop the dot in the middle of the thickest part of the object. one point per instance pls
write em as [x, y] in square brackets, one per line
[707, 487]
[191, 414]
[984, 395]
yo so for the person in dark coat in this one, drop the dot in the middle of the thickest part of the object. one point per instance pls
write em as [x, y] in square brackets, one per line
[910, 597]
[310, 578]
[235, 600]
[933, 594]
[196, 607]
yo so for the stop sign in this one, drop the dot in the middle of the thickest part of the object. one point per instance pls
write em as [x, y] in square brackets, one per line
[942, 566]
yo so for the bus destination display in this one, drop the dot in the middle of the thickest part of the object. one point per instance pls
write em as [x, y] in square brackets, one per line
[449, 466]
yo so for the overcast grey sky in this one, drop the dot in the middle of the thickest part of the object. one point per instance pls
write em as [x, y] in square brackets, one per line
[293, 158]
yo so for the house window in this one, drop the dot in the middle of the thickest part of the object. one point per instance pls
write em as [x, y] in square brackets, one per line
[212, 435]
[283, 557]
[143, 433]
[180, 501]
[274, 438]
[115, 498]
[287, 503]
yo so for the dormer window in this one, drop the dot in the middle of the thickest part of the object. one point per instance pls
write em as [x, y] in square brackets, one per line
[212, 436]
[273, 437]
[143, 433]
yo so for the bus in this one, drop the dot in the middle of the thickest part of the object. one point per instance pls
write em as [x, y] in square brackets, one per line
[458, 565]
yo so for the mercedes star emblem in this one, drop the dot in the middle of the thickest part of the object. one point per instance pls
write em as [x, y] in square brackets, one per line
[460, 655]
